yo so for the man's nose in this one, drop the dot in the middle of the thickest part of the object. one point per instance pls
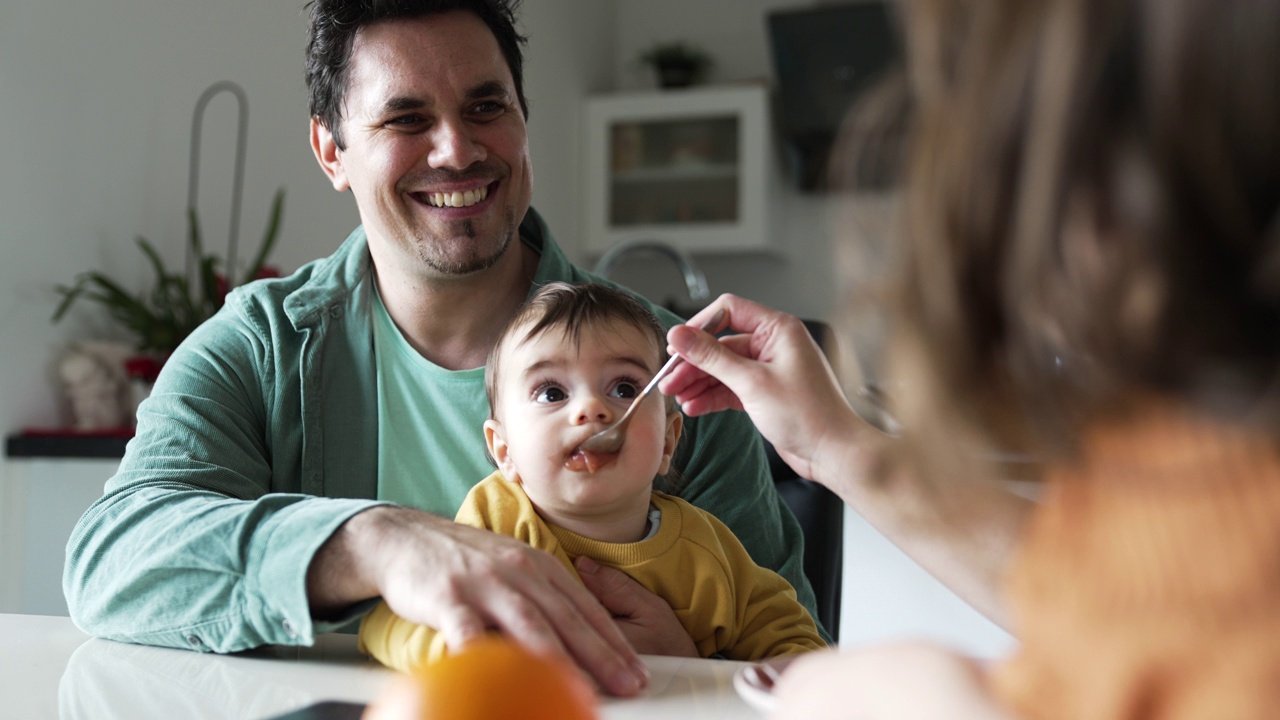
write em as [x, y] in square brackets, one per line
[453, 146]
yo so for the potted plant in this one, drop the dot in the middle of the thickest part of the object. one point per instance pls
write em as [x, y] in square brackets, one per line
[677, 64]
[176, 304]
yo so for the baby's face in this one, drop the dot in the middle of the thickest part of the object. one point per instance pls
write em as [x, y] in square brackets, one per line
[553, 394]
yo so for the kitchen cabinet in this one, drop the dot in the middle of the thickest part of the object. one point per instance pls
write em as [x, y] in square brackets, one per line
[690, 167]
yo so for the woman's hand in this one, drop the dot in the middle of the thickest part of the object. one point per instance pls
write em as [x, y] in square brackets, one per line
[915, 680]
[775, 372]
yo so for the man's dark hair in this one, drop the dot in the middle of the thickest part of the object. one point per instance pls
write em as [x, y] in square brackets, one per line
[332, 31]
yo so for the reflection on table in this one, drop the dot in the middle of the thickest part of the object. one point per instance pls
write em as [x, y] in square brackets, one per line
[49, 669]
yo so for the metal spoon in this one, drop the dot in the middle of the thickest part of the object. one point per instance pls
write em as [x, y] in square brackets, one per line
[610, 439]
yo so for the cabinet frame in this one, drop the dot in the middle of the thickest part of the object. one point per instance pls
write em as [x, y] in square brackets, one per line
[747, 104]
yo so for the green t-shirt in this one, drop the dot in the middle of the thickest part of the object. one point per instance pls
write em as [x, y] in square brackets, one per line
[430, 424]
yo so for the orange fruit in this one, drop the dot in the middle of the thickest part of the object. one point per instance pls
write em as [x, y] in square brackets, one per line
[490, 679]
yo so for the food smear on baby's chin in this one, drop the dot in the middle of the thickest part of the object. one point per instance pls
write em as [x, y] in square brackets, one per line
[585, 460]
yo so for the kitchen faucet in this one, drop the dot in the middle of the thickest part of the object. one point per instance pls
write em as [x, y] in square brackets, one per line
[694, 280]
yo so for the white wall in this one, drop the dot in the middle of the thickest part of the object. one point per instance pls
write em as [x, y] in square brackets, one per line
[96, 113]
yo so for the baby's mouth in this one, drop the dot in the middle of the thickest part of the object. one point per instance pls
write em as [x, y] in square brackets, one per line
[584, 460]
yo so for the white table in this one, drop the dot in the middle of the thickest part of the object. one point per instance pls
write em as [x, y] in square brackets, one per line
[49, 669]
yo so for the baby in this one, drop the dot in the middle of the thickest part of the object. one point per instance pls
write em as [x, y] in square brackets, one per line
[567, 366]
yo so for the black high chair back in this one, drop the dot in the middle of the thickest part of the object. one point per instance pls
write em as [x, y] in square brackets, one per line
[821, 516]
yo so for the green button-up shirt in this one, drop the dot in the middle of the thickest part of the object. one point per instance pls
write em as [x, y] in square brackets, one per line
[261, 438]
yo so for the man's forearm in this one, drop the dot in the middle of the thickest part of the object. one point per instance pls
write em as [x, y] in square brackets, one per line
[343, 573]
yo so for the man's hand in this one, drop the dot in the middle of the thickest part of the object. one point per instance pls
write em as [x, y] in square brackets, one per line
[464, 582]
[646, 619]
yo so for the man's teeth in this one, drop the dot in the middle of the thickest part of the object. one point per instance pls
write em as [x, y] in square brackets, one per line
[458, 199]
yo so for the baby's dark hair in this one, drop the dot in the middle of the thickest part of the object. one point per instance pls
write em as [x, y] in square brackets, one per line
[571, 309]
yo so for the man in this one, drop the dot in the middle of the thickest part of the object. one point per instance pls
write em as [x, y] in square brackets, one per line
[251, 508]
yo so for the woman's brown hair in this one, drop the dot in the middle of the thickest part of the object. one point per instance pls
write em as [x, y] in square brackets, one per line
[1090, 216]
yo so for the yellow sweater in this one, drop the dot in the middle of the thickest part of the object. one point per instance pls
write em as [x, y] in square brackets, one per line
[1149, 584]
[727, 603]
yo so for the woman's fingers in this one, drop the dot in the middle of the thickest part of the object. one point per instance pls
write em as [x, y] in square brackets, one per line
[772, 369]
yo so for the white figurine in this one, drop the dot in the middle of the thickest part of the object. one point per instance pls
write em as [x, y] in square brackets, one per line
[93, 380]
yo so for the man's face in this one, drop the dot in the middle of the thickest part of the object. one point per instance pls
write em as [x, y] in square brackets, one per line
[552, 394]
[437, 153]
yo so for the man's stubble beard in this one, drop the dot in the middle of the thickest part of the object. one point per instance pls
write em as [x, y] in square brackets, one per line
[473, 263]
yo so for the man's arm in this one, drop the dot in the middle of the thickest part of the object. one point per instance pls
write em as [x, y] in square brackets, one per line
[202, 538]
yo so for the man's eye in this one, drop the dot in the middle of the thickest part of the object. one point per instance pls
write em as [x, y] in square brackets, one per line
[550, 394]
[488, 108]
[406, 120]
[625, 389]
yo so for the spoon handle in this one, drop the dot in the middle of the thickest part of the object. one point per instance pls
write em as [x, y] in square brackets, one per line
[671, 363]
[611, 438]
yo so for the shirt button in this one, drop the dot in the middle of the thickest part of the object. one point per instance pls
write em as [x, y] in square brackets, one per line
[194, 641]
[288, 628]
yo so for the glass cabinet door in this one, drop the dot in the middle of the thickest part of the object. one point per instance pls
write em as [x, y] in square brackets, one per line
[667, 172]
[685, 167]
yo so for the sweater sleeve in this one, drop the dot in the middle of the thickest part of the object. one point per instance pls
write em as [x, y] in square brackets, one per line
[721, 459]
[768, 619]
[1146, 584]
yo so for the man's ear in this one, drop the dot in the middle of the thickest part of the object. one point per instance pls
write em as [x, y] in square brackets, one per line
[328, 155]
[498, 450]
[675, 424]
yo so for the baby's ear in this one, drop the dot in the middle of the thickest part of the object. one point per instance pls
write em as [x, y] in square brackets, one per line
[498, 450]
[675, 424]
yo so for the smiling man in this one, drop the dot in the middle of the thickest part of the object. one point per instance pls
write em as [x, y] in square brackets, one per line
[303, 450]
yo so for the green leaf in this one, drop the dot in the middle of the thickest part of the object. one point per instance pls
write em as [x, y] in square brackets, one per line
[268, 238]
[176, 303]
[156, 263]
[69, 295]
[193, 234]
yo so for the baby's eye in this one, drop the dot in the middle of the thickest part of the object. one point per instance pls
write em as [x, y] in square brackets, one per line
[625, 389]
[550, 394]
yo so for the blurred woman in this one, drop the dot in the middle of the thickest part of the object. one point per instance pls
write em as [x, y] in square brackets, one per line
[1090, 276]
